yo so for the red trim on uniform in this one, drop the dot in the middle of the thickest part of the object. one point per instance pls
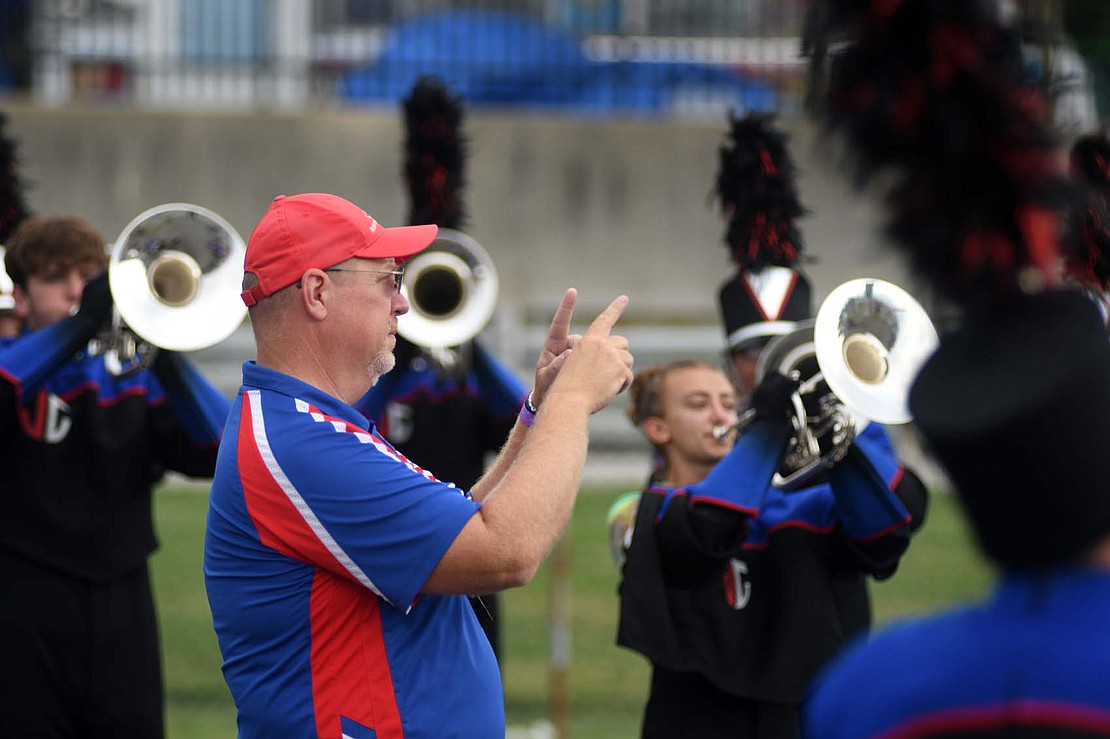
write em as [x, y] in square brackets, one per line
[350, 667]
[786, 296]
[135, 392]
[797, 524]
[35, 424]
[759, 303]
[1024, 714]
[884, 532]
[726, 504]
[87, 386]
[11, 379]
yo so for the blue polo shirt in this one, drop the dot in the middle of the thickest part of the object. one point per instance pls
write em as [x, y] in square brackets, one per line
[320, 536]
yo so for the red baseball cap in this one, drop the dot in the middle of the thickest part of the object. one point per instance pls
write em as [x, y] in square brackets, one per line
[319, 230]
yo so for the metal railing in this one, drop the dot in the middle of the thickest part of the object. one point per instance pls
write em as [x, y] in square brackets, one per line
[597, 57]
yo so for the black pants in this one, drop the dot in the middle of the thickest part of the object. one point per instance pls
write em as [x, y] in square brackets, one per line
[77, 658]
[685, 704]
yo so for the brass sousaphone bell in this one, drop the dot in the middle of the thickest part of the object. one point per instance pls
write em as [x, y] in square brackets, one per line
[175, 274]
[451, 288]
[856, 361]
[871, 338]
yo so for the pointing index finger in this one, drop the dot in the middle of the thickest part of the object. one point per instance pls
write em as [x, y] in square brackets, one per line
[605, 320]
[560, 323]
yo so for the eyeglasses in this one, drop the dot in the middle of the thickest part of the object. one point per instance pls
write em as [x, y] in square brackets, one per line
[398, 274]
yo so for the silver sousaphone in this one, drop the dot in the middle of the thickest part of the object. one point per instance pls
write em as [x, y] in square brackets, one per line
[175, 273]
[451, 288]
[856, 361]
[871, 338]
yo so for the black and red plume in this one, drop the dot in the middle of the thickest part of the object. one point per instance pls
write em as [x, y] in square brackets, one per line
[1090, 161]
[13, 206]
[937, 91]
[435, 154]
[1088, 260]
[756, 191]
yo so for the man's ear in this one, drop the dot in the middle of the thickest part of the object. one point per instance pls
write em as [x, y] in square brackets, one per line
[656, 430]
[315, 291]
[22, 302]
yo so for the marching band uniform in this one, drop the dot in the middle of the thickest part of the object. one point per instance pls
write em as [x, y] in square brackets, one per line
[91, 445]
[1014, 403]
[739, 591]
[1031, 656]
[81, 449]
[736, 590]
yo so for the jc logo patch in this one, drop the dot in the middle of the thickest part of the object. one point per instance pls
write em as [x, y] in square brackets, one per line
[737, 589]
[48, 420]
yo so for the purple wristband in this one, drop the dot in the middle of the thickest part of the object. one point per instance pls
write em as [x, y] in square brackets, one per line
[528, 412]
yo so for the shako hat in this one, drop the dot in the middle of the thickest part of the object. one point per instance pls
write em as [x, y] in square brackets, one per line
[1016, 405]
[757, 306]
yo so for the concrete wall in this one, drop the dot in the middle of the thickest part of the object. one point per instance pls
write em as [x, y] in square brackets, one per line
[605, 206]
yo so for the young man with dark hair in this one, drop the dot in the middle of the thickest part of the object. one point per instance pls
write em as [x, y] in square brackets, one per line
[81, 449]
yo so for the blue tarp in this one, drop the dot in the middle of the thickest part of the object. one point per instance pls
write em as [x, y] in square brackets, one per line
[509, 60]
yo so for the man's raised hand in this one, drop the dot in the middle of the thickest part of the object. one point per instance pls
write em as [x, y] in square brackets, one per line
[597, 365]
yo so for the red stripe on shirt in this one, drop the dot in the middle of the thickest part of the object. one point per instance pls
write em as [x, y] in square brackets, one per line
[350, 668]
[279, 523]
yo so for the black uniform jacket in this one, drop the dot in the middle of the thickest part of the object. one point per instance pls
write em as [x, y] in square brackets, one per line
[81, 449]
[753, 587]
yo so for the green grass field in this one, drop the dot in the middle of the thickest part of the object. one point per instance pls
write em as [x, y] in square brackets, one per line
[607, 685]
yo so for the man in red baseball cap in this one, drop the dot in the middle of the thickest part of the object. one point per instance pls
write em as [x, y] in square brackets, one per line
[319, 233]
[337, 570]
[320, 230]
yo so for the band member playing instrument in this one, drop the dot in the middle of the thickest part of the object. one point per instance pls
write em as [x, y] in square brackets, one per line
[734, 589]
[446, 409]
[1015, 402]
[81, 449]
